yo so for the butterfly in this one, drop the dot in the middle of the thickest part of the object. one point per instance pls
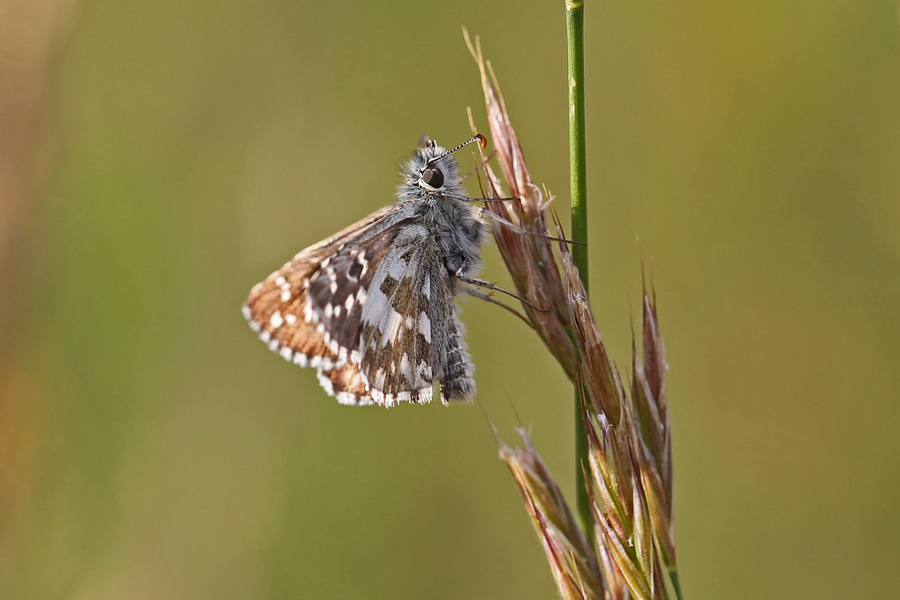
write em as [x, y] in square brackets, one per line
[372, 307]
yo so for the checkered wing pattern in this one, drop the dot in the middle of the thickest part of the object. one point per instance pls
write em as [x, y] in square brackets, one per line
[361, 307]
[313, 329]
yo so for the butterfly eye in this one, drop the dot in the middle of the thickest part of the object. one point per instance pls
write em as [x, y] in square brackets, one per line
[433, 177]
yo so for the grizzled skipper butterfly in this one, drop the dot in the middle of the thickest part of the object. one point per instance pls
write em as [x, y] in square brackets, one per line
[372, 307]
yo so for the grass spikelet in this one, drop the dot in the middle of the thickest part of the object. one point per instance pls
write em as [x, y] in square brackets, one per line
[572, 559]
[627, 549]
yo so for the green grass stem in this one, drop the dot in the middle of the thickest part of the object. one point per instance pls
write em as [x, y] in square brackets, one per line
[578, 190]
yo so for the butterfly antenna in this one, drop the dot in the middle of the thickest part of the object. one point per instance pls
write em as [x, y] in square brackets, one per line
[475, 138]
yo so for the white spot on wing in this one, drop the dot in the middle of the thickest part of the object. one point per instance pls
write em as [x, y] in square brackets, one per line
[425, 327]
[326, 383]
[406, 368]
[391, 327]
[349, 399]
[309, 315]
[424, 371]
[276, 320]
[397, 269]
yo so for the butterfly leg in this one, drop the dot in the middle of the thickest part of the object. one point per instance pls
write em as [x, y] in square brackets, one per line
[484, 215]
[493, 286]
[476, 293]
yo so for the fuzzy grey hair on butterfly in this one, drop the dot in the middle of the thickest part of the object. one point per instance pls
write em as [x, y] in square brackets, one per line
[372, 307]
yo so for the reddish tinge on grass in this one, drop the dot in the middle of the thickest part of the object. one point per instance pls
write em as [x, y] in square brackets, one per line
[628, 550]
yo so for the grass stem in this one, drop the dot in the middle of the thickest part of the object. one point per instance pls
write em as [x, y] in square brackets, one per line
[578, 190]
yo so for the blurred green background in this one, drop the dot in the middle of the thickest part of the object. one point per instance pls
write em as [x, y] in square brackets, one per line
[158, 159]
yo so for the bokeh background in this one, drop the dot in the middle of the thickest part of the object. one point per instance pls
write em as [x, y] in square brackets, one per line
[159, 158]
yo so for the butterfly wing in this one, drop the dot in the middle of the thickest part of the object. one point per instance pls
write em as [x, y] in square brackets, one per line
[281, 310]
[310, 310]
[410, 331]
[372, 309]
[396, 350]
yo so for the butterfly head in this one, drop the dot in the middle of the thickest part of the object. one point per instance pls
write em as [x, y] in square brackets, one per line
[434, 172]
